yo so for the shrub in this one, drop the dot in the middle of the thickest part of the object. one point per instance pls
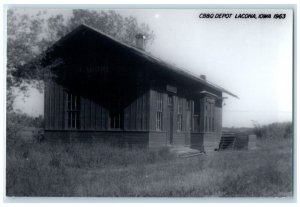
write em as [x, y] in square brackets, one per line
[288, 131]
[274, 130]
[13, 127]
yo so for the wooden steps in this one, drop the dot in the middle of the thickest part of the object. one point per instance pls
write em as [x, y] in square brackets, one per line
[234, 141]
[227, 142]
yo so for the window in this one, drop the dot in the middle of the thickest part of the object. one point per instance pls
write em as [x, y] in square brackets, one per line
[73, 111]
[159, 110]
[209, 119]
[179, 114]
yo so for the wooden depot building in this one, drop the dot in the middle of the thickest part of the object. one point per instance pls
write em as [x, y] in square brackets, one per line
[105, 90]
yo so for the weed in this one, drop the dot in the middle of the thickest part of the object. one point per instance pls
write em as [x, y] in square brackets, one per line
[89, 169]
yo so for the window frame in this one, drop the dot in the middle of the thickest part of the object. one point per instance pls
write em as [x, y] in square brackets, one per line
[159, 112]
[196, 115]
[73, 111]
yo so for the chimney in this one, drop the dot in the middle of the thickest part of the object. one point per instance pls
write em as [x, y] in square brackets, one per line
[203, 77]
[140, 41]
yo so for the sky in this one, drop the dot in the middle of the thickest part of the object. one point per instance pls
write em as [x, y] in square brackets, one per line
[252, 58]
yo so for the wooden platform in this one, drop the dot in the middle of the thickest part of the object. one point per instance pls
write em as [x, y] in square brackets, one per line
[185, 151]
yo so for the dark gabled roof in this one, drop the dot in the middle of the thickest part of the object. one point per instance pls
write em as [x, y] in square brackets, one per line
[144, 55]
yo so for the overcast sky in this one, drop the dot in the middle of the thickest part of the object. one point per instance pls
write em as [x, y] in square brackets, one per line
[252, 58]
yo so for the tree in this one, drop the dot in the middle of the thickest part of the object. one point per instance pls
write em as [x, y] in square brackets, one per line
[111, 23]
[22, 36]
[29, 35]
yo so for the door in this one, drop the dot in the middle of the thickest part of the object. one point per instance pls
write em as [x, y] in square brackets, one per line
[170, 120]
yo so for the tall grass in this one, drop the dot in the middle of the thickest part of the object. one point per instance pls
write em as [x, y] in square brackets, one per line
[52, 169]
[274, 130]
[95, 169]
[91, 170]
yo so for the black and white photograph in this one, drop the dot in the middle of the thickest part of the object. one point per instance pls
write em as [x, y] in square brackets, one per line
[149, 102]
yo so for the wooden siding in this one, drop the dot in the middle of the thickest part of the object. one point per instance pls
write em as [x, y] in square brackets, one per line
[101, 115]
[161, 138]
[202, 114]
[166, 119]
[112, 137]
[121, 74]
[139, 116]
[184, 114]
[188, 125]
[213, 114]
[93, 116]
[152, 115]
[175, 99]
[136, 114]
[218, 119]
[54, 106]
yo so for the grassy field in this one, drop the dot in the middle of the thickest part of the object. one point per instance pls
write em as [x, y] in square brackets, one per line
[85, 169]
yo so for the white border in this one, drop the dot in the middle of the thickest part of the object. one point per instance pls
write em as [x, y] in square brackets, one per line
[147, 4]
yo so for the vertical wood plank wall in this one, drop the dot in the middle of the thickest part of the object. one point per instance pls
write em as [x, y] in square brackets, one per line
[202, 114]
[136, 114]
[152, 118]
[92, 116]
[218, 119]
[54, 107]
[166, 114]
[175, 102]
[165, 118]
[139, 115]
